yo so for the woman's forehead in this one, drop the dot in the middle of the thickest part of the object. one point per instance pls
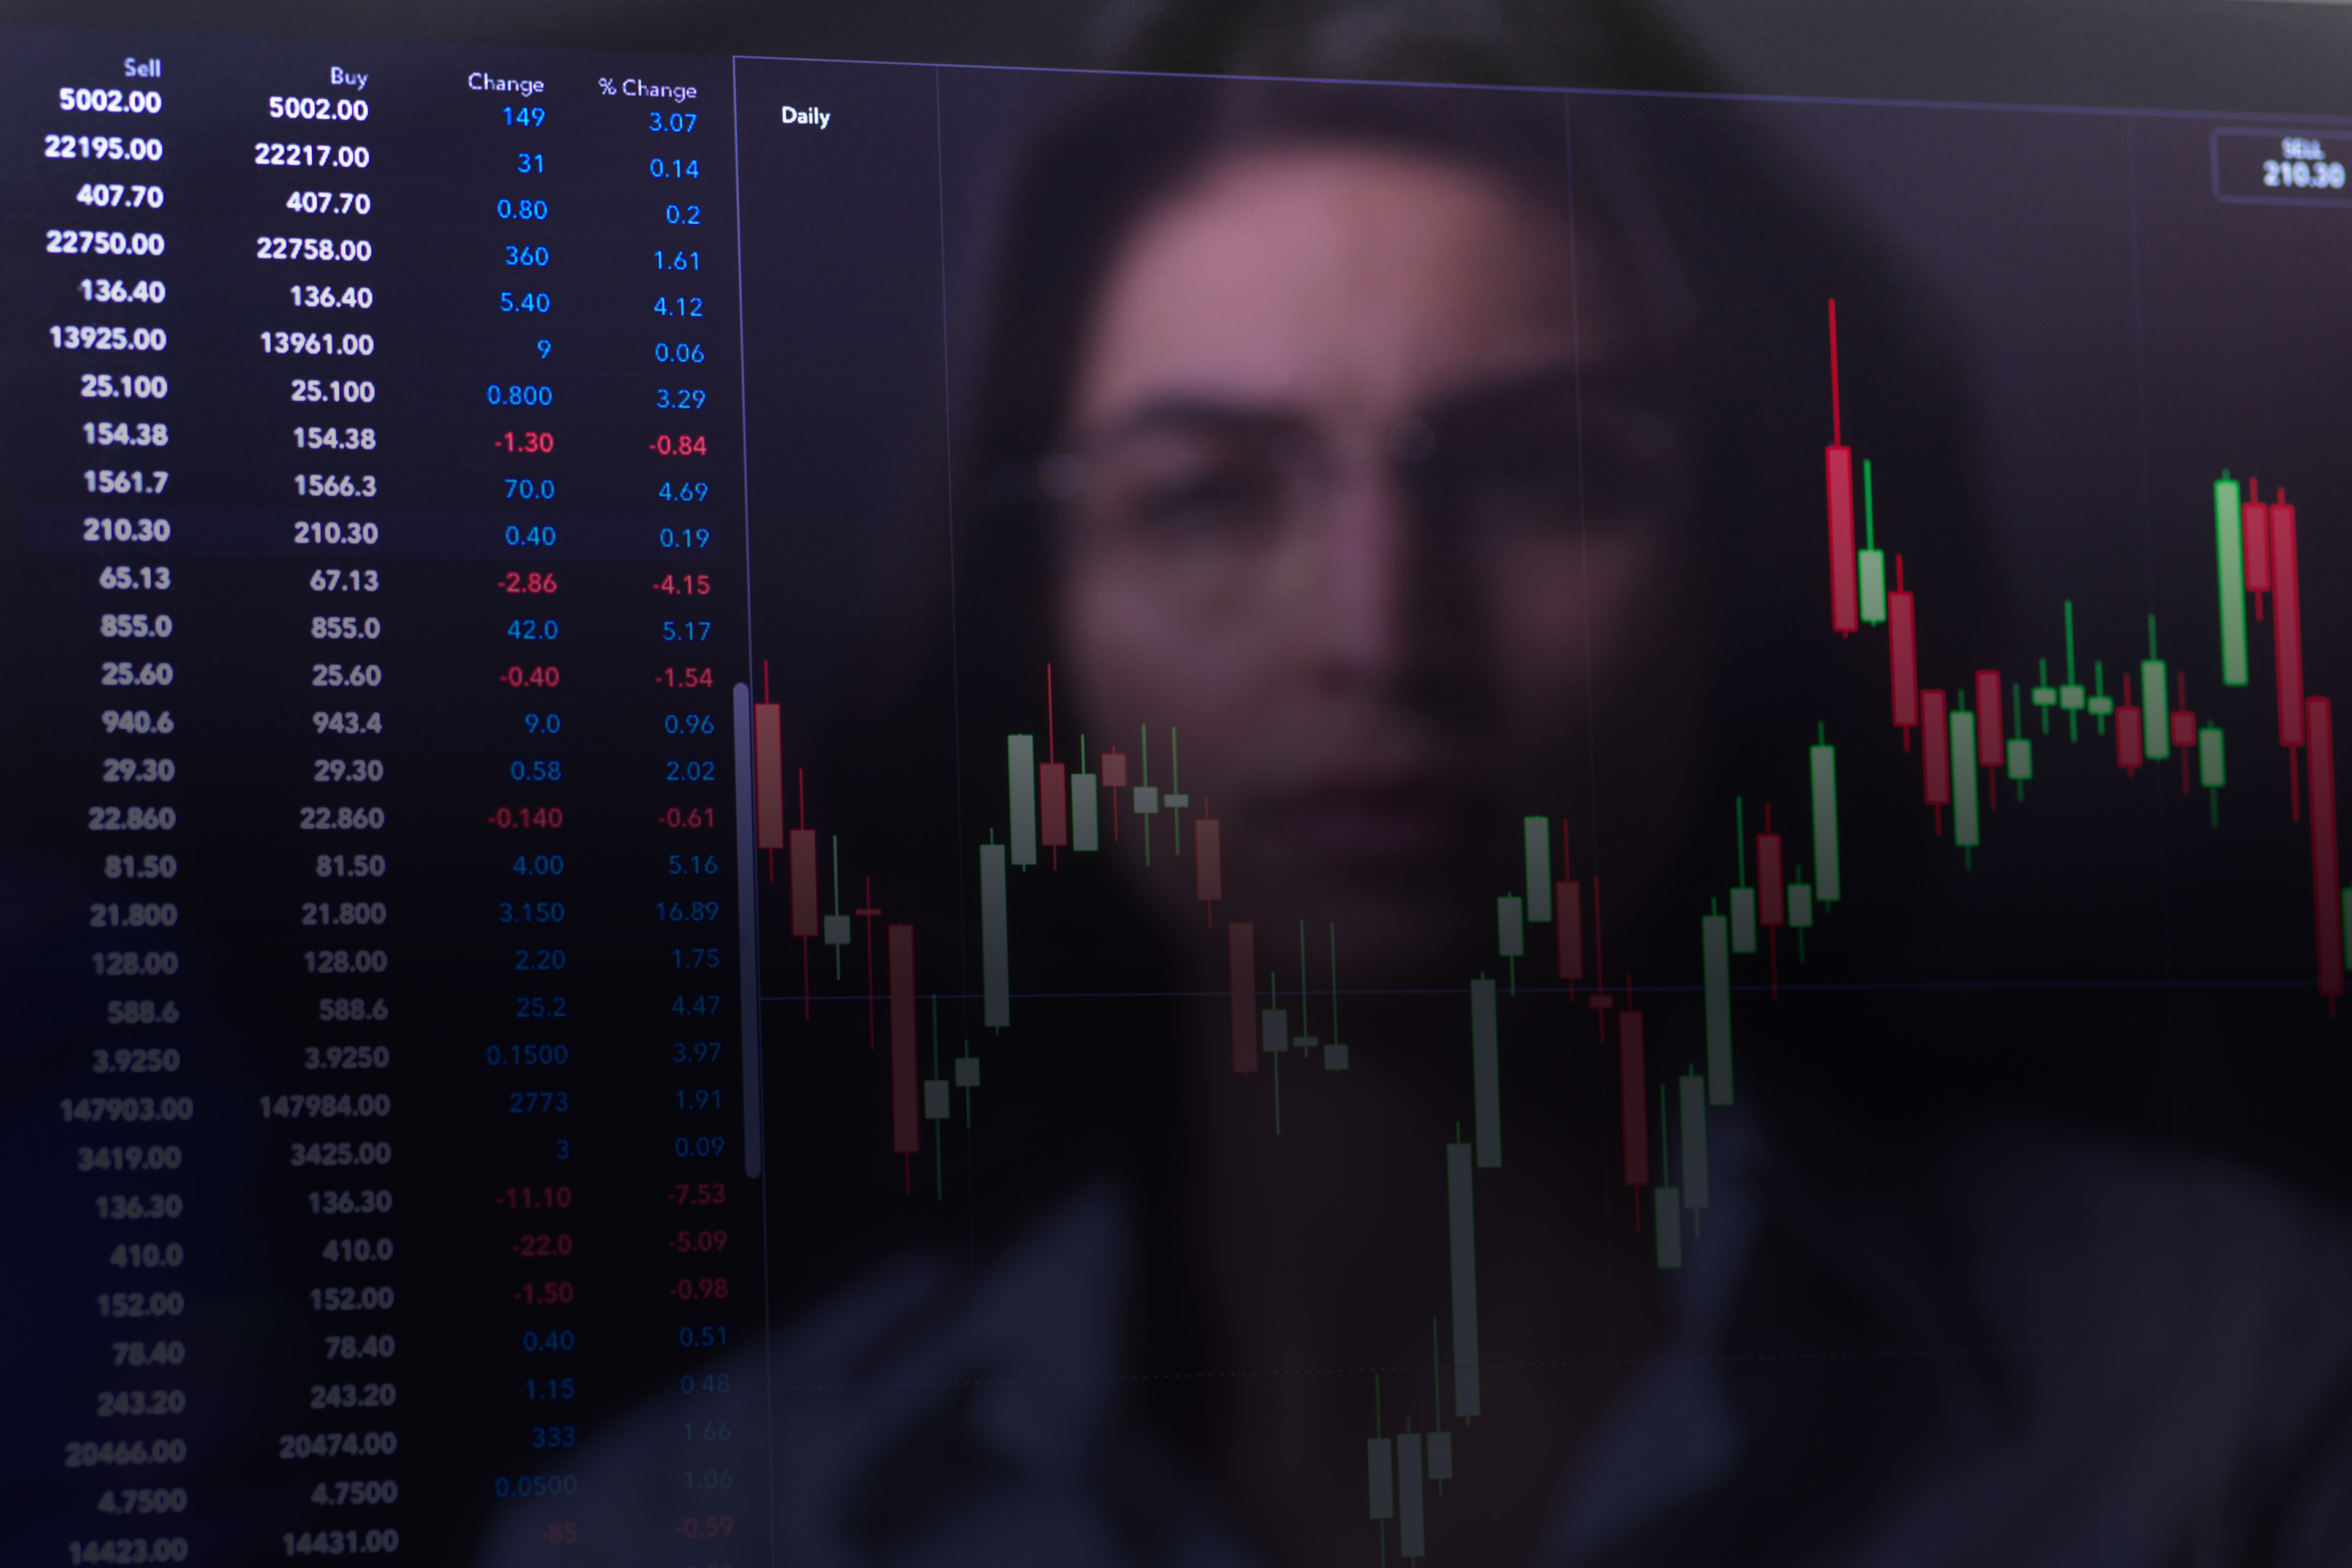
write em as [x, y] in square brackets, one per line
[1337, 274]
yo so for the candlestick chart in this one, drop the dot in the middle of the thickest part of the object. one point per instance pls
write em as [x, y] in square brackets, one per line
[1976, 742]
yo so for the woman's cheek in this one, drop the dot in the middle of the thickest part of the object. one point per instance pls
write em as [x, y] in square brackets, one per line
[1572, 618]
[1542, 609]
[1134, 659]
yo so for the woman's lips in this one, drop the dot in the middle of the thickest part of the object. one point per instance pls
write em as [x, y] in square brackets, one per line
[1398, 825]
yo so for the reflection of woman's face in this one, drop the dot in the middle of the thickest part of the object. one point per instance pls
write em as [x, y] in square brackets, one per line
[1328, 527]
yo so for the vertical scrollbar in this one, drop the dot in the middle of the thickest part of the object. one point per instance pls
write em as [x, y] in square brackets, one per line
[747, 924]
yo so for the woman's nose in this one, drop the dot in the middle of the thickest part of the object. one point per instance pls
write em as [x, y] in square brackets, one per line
[1367, 621]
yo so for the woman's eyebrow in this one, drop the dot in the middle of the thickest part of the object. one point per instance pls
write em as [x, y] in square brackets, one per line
[1199, 414]
[1212, 414]
[1506, 394]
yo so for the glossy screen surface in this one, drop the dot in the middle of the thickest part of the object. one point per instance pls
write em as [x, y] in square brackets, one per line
[765, 810]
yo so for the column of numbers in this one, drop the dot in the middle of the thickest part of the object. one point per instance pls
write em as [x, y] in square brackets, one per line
[318, 353]
[108, 337]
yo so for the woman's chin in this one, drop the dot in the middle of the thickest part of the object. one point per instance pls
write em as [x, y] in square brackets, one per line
[1395, 942]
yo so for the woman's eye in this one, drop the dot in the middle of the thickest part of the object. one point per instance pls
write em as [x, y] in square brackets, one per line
[1225, 499]
[1521, 481]
[1527, 466]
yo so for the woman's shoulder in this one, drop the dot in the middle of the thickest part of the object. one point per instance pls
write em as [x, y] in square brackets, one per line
[2160, 1356]
[2013, 1340]
[2076, 1229]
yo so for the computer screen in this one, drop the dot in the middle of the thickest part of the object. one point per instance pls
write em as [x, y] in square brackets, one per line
[767, 810]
